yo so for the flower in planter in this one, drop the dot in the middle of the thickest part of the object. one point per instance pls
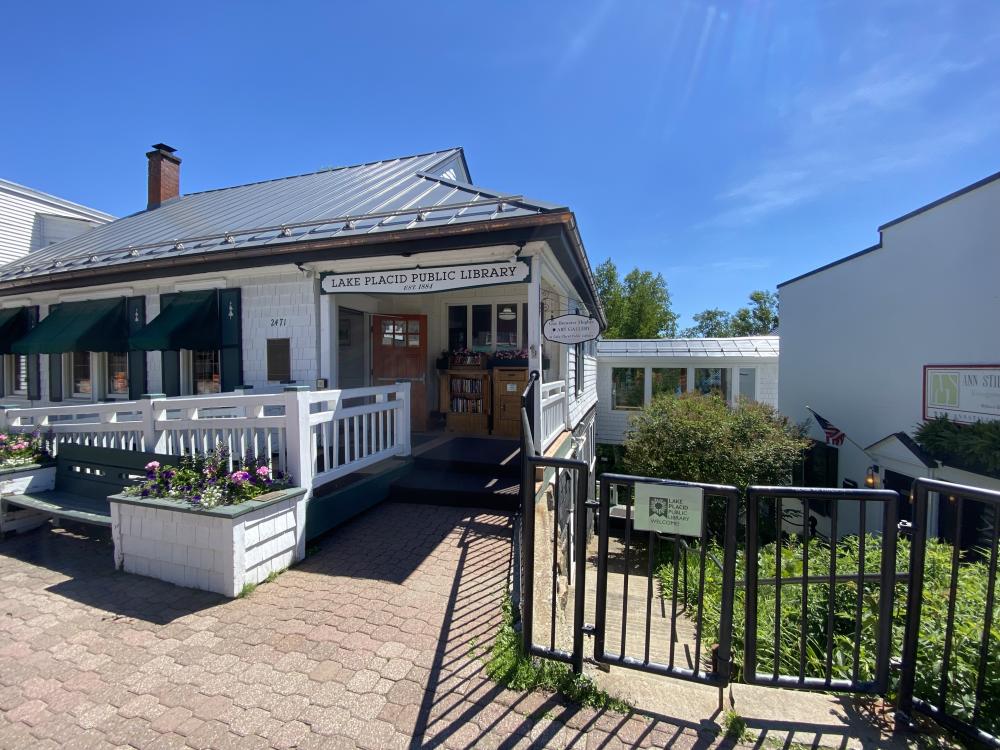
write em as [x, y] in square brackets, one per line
[209, 480]
[21, 449]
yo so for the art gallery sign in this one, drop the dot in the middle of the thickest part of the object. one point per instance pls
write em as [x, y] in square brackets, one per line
[424, 280]
[962, 393]
[571, 329]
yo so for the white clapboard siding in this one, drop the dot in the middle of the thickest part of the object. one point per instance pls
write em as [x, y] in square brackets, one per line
[30, 219]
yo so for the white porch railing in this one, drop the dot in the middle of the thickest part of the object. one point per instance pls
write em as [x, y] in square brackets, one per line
[555, 403]
[357, 428]
[316, 436]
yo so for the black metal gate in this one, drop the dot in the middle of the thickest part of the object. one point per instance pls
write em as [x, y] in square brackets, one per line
[659, 570]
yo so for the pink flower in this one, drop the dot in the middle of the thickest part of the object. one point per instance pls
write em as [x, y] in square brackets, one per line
[152, 466]
[239, 477]
[20, 446]
[263, 472]
[3, 438]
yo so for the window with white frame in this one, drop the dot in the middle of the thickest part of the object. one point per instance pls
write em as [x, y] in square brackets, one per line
[627, 387]
[670, 380]
[488, 327]
[117, 374]
[206, 372]
[80, 376]
[579, 367]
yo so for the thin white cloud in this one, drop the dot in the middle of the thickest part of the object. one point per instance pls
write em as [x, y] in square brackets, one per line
[859, 131]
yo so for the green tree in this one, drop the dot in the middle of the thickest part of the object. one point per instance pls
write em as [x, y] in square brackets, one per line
[637, 306]
[759, 318]
[713, 323]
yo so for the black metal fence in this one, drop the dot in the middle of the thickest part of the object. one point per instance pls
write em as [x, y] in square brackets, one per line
[939, 676]
[777, 513]
[800, 604]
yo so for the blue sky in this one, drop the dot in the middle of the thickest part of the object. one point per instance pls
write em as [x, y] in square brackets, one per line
[729, 146]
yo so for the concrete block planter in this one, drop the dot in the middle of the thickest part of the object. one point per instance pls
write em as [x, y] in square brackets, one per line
[17, 481]
[219, 549]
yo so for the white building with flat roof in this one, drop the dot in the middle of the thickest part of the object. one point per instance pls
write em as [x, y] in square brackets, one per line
[875, 341]
[631, 372]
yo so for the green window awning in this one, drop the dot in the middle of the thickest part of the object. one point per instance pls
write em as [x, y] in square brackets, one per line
[13, 325]
[189, 320]
[96, 325]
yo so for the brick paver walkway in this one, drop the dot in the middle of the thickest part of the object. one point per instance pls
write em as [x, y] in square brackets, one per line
[376, 640]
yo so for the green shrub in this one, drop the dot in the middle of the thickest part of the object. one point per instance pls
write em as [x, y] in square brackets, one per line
[970, 607]
[696, 438]
[974, 447]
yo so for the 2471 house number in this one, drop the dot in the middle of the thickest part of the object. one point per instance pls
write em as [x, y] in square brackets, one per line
[278, 322]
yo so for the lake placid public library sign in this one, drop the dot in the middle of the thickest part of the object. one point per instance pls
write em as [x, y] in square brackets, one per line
[424, 280]
[962, 393]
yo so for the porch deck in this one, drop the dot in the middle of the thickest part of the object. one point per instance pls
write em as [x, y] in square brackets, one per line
[462, 471]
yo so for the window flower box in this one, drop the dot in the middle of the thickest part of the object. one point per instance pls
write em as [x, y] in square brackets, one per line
[220, 549]
[17, 480]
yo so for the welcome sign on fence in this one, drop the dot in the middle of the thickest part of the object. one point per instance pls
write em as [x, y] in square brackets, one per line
[420, 280]
[668, 510]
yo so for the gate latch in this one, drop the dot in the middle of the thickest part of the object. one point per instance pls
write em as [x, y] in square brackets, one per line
[905, 526]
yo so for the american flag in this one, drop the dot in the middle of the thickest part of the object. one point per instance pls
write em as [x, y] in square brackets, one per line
[834, 435]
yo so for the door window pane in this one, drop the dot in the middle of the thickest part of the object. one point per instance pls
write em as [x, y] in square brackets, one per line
[117, 373]
[482, 324]
[670, 380]
[709, 379]
[628, 384]
[458, 327]
[81, 373]
[413, 333]
[205, 367]
[507, 326]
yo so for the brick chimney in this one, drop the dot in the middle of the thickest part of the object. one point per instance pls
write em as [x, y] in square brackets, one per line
[164, 174]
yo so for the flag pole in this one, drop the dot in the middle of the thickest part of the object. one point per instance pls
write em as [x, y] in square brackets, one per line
[846, 436]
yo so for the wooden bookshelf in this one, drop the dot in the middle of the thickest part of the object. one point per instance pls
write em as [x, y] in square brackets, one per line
[466, 400]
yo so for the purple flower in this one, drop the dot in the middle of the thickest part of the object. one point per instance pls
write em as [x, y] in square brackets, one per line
[239, 477]
[169, 474]
[145, 493]
[196, 499]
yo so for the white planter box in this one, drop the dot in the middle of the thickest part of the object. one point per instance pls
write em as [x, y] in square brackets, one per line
[21, 480]
[219, 549]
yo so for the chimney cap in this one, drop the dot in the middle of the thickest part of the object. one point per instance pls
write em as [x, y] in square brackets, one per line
[164, 147]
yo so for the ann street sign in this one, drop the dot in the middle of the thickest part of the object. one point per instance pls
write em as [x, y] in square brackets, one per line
[421, 280]
[963, 393]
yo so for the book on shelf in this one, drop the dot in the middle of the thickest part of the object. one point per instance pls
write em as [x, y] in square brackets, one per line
[461, 405]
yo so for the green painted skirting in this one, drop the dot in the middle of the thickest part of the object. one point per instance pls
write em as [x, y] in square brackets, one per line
[329, 511]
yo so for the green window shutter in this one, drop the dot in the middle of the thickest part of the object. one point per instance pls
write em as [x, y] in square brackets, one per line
[171, 368]
[55, 372]
[135, 308]
[231, 337]
[34, 361]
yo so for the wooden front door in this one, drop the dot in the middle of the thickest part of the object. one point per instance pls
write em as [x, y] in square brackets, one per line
[399, 352]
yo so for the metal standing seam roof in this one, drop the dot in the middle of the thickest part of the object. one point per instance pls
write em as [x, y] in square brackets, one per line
[364, 199]
[747, 347]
